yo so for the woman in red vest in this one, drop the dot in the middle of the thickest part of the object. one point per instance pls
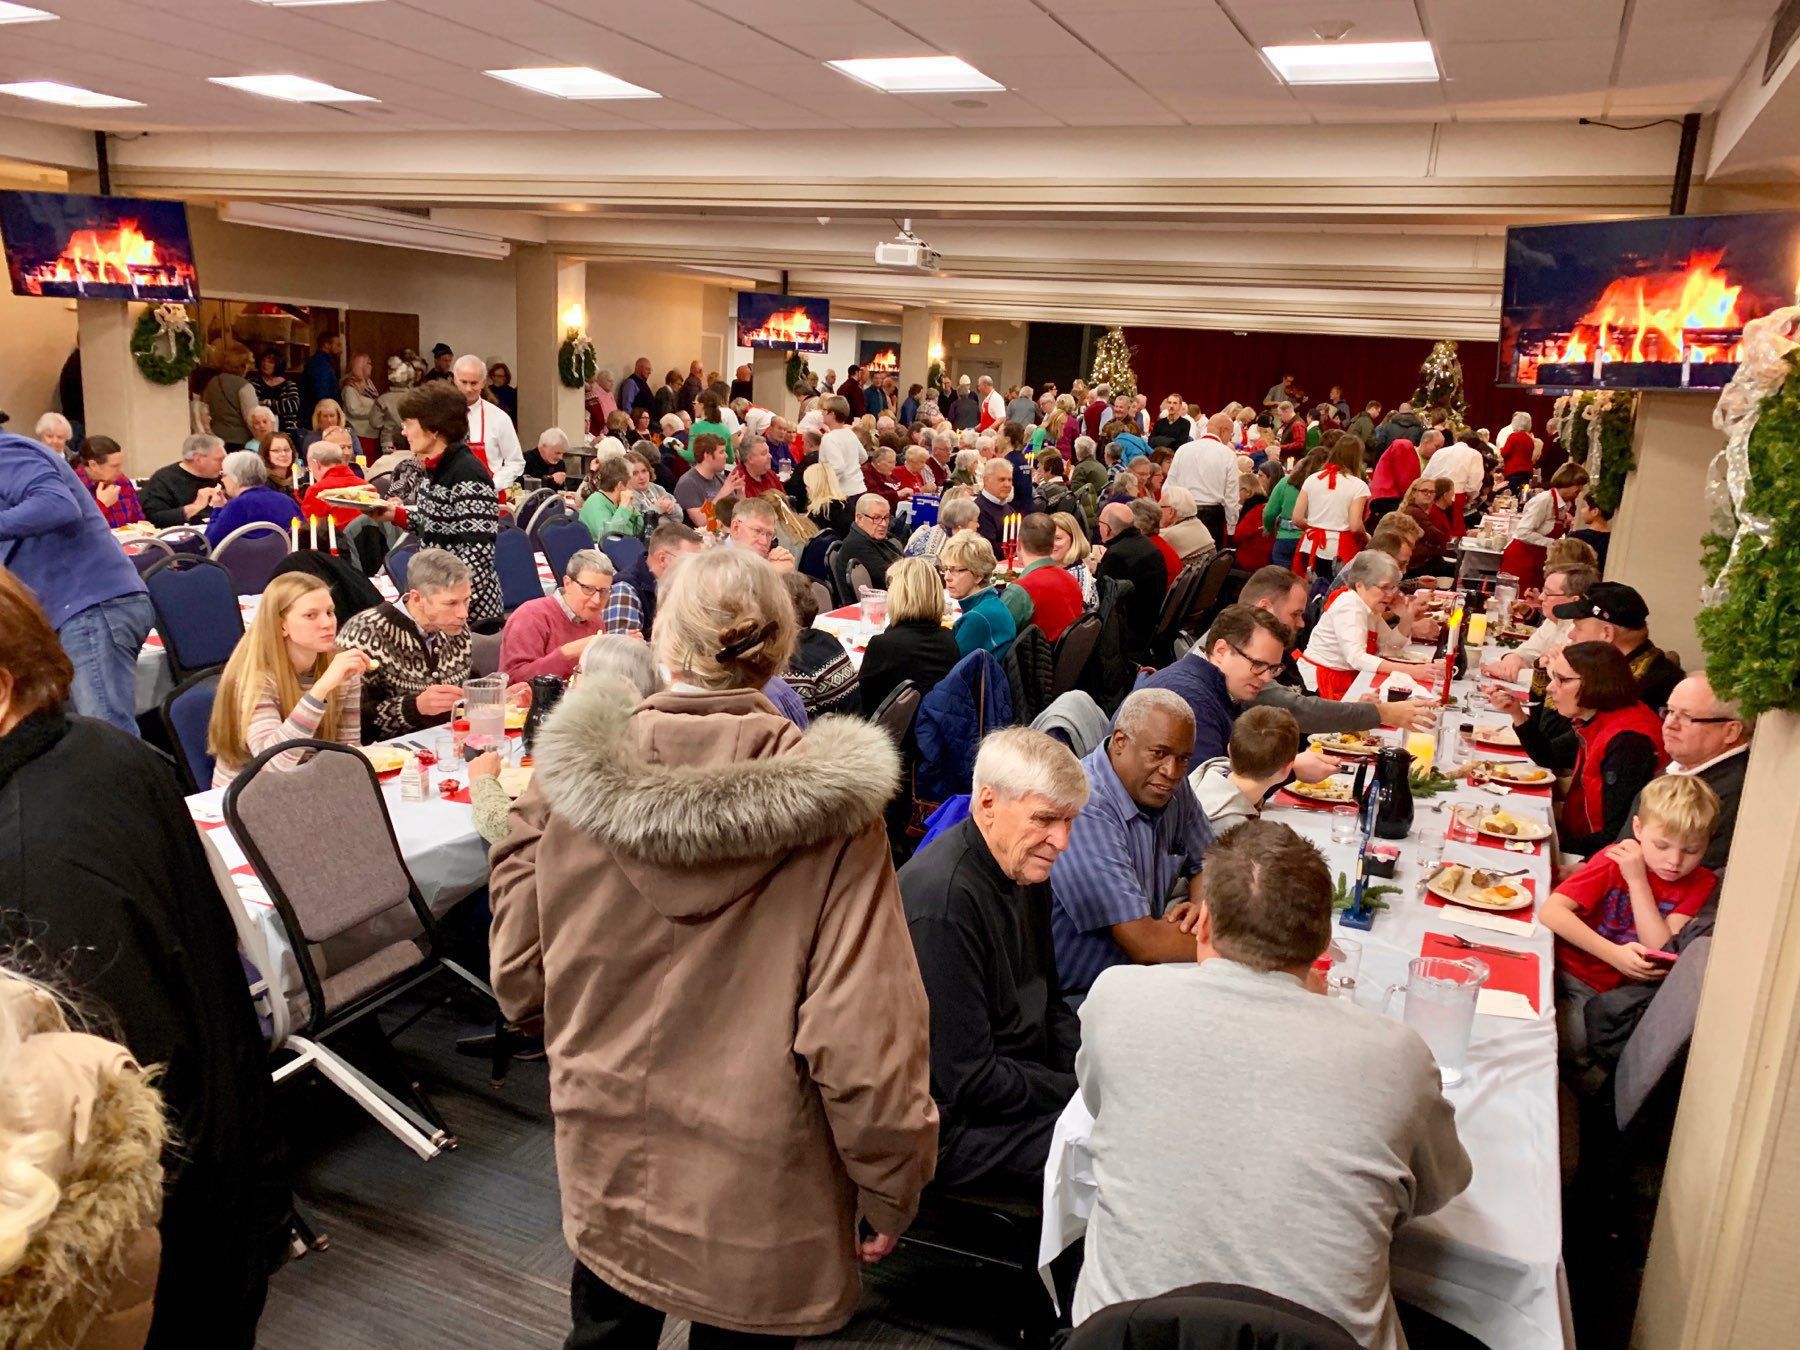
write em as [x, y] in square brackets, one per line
[1546, 517]
[1614, 746]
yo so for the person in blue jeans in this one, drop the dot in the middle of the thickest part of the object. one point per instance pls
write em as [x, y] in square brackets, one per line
[54, 539]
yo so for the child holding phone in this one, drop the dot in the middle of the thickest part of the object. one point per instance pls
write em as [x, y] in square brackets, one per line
[1629, 900]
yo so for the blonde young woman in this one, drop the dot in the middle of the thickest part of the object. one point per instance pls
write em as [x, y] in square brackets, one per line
[286, 680]
[1072, 549]
[825, 501]
[327, 413]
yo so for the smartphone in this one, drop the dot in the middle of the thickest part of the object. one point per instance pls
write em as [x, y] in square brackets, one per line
[1651, 954]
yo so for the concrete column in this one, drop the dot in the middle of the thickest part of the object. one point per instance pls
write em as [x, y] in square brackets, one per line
[769, 383]
[921, 330]
[1721, 1271]
[1656, 534]
[550, 294]
[149, 420]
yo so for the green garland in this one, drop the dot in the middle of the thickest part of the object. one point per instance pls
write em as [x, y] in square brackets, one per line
[797, 373]
[1616, 459]
[1752, 633]
[157, 368]
[575, 361]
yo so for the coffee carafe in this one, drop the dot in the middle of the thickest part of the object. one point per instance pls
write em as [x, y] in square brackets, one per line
[1394, 811]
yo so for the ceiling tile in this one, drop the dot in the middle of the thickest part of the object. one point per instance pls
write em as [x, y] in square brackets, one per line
[1273, 22]
[1551, 23]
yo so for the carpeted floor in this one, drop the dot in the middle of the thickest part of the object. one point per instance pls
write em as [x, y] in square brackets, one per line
[467, 1250]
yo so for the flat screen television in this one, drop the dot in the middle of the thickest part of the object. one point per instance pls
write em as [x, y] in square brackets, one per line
[796, 323]
[1659, 303]
[881, 357]
[97, 248]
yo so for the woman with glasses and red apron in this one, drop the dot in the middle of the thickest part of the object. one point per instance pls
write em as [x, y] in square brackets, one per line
[1352, 636]
[1546, 517]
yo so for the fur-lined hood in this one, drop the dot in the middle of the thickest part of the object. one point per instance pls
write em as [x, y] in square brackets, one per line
[701, 795]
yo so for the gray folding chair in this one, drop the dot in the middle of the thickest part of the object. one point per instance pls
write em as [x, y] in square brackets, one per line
[484, 653]
[359, 930]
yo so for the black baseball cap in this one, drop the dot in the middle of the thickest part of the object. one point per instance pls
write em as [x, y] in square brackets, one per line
[443, 349]
[1610, 602]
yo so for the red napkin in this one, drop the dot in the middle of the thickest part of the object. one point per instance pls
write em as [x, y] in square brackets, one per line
[154, 640]
[210, 824]
[462, 796]
[1286, 798]
[1518, 974]
[243, 870]
[1525, 915]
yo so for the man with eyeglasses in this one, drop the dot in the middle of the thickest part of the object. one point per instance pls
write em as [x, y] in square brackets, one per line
[1560, 587]
[1139, 832]
[548, 636]
[868, 542]
[753, 528]
[1240, 656]
[1708, 738]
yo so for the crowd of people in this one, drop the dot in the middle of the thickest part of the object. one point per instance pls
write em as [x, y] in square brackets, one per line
[711, 834]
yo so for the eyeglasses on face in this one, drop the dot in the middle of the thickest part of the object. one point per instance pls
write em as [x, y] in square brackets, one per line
[1256, 667]
[1676, 718]
[591, 590]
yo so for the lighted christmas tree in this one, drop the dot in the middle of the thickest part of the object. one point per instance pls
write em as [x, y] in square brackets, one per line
[1112, 363]
[1441, 382]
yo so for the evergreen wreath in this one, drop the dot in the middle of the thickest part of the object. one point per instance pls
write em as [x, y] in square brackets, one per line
[164, 345]
[576, 363]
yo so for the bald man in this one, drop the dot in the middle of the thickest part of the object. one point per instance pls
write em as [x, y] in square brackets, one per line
[1207, 468]
[1129, 555]
[491, 433]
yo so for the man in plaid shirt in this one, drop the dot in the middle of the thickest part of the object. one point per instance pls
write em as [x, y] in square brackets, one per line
[101, 470]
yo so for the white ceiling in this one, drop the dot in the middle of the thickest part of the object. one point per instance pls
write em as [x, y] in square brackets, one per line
[735, 65]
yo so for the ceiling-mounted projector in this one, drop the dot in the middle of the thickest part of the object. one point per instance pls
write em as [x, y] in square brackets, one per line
[906, 252]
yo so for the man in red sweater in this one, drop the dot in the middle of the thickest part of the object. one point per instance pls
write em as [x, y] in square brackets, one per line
[328, 466]
[548, 636]
[1055, 595]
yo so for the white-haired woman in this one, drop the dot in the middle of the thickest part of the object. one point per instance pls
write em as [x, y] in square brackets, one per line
[248, 497]
[53, 430]
[955, 514]
[727, 880]
[1519, 453]
[546, 460]
[1353, 636]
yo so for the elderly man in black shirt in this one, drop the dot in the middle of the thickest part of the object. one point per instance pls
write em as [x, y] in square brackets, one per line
[868, 542]
[977, 900]
[1130, 556]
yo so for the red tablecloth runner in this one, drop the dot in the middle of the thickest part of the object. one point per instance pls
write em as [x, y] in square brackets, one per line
[1516, 974]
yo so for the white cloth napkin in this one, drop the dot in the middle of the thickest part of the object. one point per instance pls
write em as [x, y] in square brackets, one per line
[1504, 1003]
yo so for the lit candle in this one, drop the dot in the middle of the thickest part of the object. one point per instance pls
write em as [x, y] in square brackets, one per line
[295, 525]
[331, 531]
[313, 524]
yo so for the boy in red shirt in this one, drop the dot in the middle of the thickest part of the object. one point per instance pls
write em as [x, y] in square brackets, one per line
[1629, 900]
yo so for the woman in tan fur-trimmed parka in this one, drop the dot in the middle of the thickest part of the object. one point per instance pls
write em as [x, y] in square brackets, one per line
[81, 1138]
[699, 899]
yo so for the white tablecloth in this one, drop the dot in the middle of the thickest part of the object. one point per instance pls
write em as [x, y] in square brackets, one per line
[1490, 1262]
[446, 856]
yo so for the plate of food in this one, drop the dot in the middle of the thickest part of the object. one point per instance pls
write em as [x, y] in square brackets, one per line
[1346, 744]
[1514, 772]
[1478, 889]
[387, 759]
[1497, 734]
[1333, 791]
[1505, 825]
[137, 529]
[515, 716]
[356, 498]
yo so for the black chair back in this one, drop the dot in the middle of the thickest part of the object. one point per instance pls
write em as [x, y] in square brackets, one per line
[1070, 656]
[897, 710]
[1202, 1316]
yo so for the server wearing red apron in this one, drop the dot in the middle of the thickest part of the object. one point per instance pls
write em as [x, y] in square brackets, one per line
[1545, 517]
[1351, 636]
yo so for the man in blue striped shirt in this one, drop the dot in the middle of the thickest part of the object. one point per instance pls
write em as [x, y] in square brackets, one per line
[1140, 830]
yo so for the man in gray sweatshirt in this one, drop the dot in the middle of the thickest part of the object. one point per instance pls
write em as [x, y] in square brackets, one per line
[1283, 594]
[1246, 1129]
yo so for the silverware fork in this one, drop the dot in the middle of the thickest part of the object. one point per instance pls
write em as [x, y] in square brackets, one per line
[1464, 943]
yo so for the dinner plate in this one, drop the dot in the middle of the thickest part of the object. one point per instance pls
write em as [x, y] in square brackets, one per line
[1497, 734]
[1453, 883]
[353, 503]
[386, 759]
[1528, 831]
[515, 717]
[1512, 771]
[1300, 792]
[1345, 745]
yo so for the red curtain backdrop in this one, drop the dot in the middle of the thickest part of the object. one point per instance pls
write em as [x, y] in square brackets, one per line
[1210, 368]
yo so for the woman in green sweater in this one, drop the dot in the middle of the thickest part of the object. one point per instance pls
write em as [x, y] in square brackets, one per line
[710, 422]
[607, 509]
[1278, 514]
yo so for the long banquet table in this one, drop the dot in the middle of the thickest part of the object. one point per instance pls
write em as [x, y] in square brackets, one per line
[1490, 1262]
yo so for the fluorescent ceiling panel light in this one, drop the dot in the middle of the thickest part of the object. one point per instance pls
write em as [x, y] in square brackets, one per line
[69, 95]
[917, 74]
[1354, 62]
[10, 13]
[290, 88]
[572, 82]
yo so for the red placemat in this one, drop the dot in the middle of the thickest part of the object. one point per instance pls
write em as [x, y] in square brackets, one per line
[1525, 915]
[1286, 798]
[1516, 974]
[1460, 831]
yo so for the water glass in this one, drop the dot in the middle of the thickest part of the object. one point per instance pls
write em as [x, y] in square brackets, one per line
[1428, 865]
[1346, 962]
[874, 606]
[1344, 826]
[1440, 1006]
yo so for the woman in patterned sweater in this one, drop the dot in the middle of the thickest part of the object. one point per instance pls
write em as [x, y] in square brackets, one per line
[456, 507]
[286, 680]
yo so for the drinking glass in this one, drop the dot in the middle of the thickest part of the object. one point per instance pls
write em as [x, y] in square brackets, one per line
[874, 606]
[1440, 1006]
[1344, 826]
[1428, 864]
[1346, 962]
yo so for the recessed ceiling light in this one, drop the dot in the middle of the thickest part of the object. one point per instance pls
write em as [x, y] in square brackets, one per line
[69, 95]
[10, 13]
[289, 88]
[1354, 62]
[917, 74]
[572, 82]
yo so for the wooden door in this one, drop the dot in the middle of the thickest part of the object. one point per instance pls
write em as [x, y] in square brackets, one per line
[381, 334]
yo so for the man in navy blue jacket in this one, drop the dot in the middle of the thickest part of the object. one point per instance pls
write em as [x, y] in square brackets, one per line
[54, 539]
[1240, 654]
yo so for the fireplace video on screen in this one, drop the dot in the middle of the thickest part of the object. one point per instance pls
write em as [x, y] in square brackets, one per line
[789, 322]
[878, 357]
[1641, 304]
[97, 248]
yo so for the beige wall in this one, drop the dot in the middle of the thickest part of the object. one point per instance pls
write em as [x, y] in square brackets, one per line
[466, 302]
[1002, 343]
[633, 313]
[1656, 535]
[36, 336]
